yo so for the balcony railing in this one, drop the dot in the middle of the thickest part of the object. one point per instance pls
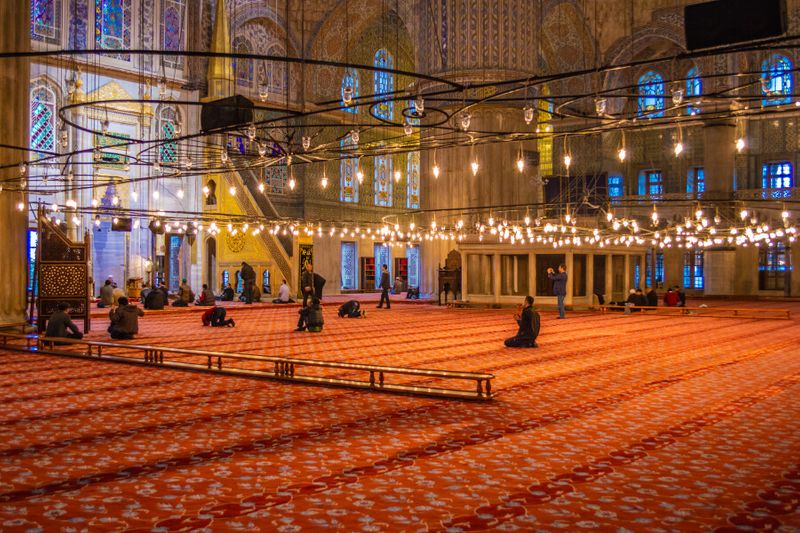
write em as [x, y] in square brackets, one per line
[786, 193]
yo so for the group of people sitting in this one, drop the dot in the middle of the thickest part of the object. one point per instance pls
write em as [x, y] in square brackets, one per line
[674, 297]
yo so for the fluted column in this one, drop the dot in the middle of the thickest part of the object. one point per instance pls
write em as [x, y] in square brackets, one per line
[14, 81]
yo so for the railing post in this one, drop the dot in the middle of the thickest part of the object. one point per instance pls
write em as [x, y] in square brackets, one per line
[380, 377]
[488, 388]
[371, 378]
[219, 362]
[209, 362]
[480, 387]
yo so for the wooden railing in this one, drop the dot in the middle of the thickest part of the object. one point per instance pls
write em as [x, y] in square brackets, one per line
[708, 312]
[376, 377]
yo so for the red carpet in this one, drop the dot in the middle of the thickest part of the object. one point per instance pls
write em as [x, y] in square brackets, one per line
[616, 423]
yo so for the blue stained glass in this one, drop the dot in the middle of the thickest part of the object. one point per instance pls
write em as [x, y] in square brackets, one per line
[113, 25]
[383, 181]
[693, 270]
[777, 175]
[172, 29]
[349, 256]
[413, 181]
[694, 88]
[42, 131]
[651, 183]
[776, 72]
[651, 95]
[384, 83]
[350, 79]
[383, 256]
[44, 20]
[615, 186]
[348, 173]
[696, 181]
[413, 266]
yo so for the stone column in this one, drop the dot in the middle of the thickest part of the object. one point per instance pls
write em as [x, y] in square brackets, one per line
[570, 280]
[14, 82]
[532, 273]
[609, 292]
[590, 278]
[628, 275]
[496, 281]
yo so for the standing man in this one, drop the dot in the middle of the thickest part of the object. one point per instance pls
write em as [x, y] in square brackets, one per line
[249, 280]
[559, 280]
[385, 286]
[307, 283]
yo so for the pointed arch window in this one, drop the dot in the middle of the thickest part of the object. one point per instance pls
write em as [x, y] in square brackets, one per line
[172, 30]
[694, 89]
[776, 80]
[651, 95]
[384, 83]
[383, 181]
[168, 151]
[348, 173]
[46, 21]
[43, 120]
[274, 74]
[243, 68]
[113, 25]
[350, 79]
[413, 180]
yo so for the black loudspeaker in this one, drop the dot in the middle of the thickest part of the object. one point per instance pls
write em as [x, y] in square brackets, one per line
[121, 224]
[733, 21]
[226, 112]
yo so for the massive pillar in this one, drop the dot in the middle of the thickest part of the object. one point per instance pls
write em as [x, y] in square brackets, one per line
[14, 81]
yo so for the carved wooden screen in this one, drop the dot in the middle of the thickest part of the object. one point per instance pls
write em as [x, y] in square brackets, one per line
[63, 274]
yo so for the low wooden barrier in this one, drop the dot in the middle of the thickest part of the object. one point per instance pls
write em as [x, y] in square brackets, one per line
[283, 368]
[708, 312]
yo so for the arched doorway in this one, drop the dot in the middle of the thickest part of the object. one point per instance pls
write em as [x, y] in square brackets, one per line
[211, 264]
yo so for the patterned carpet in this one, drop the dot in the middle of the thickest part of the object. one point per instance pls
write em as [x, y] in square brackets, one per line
[615, 423]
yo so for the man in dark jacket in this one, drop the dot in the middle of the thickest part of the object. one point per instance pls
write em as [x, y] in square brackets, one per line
[249, 280]
[319, 283]
[206, 296]
[529, 324]
[227, 293]
[385, 285]
[60, 325]
[124, 320]
[215, 317]
[156, 299]
[559, 280]
[311, 317]
[351, 309]
[106, 294]
[652, 297]
[307, 283]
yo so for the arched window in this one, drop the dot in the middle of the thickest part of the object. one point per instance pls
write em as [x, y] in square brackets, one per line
[348, 171]
[776, 80]
[413, 180]
[350, 79]
[167, 118]
[651, 95]
[274, 73]
[112, 24]
[384, 83]
[694, 89]
[383, 181]
[172, 32]
[46, 21]
[43, 119]
[243, 67]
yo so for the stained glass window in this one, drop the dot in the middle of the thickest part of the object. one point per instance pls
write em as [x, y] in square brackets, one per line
[383, 181]
[413, 180]
[172, 34]
[112, 25]
[243, 67]
[275, 178]
[348, 171]
[615, 186]
[275, 71]
[651, 95]
[651, 183]
[43, 120]
[383, 256]
[349, 259]
[168, 152]
[384, 83]
[694, 88]
[693, 270]
[413, 266]
[350, 79]
[659, 275]
[776, 175]
[696, 180]
[46, 21]
[772, 266]
[776, 80]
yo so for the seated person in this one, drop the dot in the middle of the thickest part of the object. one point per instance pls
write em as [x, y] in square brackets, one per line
[671, 298]
[206, 296]
[412, 293]
[283, 295]
[635, 299]
[144, 292]
[351, 309]
[256, 296]
[106, 294]
[227, 293]
[215, 317]
[156, 299]
[185, 295]
[601, 300]
[124, 320]
[652, 297]
[311, 317]
[529, 323]
[60, 325]
[681, 296]
[397, 288]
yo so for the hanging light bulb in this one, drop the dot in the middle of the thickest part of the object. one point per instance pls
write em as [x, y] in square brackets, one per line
[97, 220]
[743, 214]
[436, 171]
[179, 194]
[72, 204]
[600, 105]
[262, 149]
[654, 216]
[520, 164]
[360, 176]
[355, 136]
[527, 113]
[622, 154]
[232, 190]
[464, 120]
[223, 156]
[324, 182]
[784, 214]
[206, 190]
[23, 168]
[20, 206]
[95, 202]
[156, 195]
[188, 163]
[397, 176]
[105, 125]
[306, 142]
[261, 186]
[162, 86]
[677, 96]
[678, 148]
[740, 144]
[115, 200]
[408, 129]
[567, 161]
[76, 221]
[292, 184]
[347, 95]
[419, 104]
[475, 167]
[263, 92]
[251, 132]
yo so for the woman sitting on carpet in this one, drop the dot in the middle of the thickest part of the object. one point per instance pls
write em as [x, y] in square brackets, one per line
[528, 321]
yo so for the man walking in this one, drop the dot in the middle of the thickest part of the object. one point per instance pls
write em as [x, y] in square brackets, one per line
[559, 280]
[249, 280]
[385, 286]
[307, 284]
